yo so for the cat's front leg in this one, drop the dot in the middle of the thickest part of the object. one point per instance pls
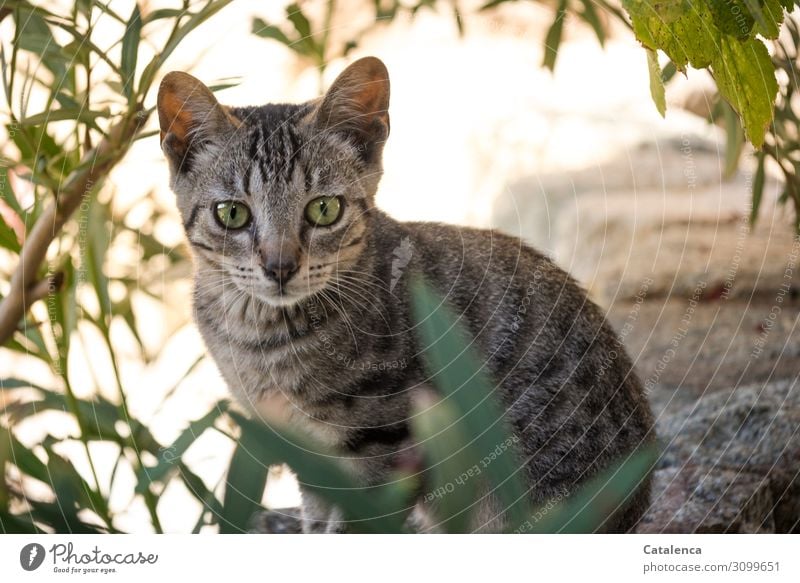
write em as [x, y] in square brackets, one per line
[319, 516]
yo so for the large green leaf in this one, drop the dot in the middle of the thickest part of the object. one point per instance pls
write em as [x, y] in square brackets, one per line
[247, 479]
[451, 474]
[458, 372]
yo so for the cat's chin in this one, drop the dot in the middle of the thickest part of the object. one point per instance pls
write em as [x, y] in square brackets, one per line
[282, 300]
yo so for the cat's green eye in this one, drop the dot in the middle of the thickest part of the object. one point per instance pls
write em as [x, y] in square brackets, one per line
[232, 214]
[323, 211]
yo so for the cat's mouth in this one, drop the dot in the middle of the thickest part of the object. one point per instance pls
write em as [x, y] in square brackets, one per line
[284, 296]
[281, 298]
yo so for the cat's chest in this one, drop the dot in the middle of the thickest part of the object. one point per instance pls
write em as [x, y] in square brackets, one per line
[280, 409]
[270, 387]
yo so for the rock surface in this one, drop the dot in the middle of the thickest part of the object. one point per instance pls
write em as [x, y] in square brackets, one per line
[731, 463]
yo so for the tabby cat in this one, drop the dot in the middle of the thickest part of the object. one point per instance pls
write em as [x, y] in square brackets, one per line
[301, 295]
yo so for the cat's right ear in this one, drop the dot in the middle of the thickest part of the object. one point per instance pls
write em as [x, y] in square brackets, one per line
[357, 106]
[190, 117]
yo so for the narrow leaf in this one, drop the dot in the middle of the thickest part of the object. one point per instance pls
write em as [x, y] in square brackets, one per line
[130, 50]
[657, 91]
[553, 39]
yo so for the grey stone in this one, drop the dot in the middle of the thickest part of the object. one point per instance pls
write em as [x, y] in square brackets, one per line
[731, 462]
[707, 499]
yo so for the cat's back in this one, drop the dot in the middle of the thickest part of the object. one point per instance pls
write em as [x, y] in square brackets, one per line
[497, 273]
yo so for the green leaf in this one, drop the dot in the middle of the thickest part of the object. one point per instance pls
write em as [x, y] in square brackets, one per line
[225, 83]
[745, 77]
[163, 13]
[458, 373]
[758, 186]
[14, 452]
[264, 30]
[452, 474]
[247, 479]
[34, 335]
[12, 383]
[198, 489]
[734, 143]
[79, 114]
[590, 16]
[130, 51]
[100, 415]
[17, 524]
[733, 17]
[768, 16]
[34, 35]
[98, 242]
[35, 145]
[305, 43]
[6, 192]
[63, 312]
[8, 237]
[668, 72]
[301, 24]
[553, 39]
[656, 82]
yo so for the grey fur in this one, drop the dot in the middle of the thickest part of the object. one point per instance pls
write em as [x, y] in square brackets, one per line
[333, 351]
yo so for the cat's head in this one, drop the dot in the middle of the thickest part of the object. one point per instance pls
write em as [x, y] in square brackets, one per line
[276, 197]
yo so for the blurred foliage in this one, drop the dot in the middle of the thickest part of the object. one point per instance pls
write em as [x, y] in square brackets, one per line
[59, 221]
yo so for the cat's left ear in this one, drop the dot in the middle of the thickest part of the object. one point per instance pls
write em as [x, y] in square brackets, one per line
[190, 118]
[357, 105]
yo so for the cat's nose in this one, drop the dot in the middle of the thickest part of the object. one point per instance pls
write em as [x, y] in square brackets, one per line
[280, 271]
